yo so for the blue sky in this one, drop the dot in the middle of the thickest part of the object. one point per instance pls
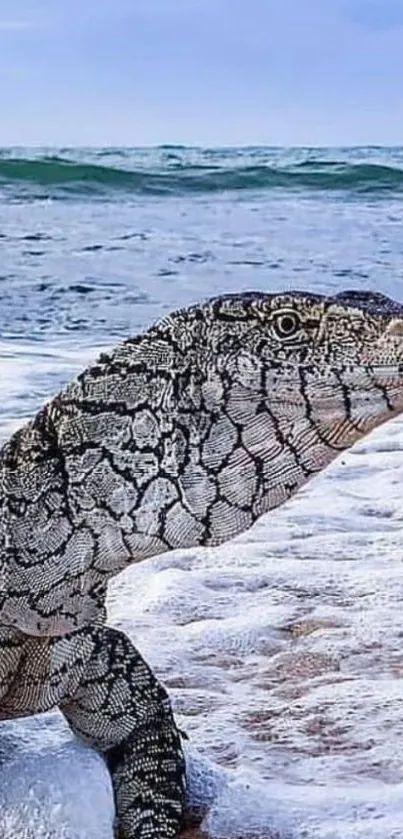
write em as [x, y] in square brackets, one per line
[139, 72]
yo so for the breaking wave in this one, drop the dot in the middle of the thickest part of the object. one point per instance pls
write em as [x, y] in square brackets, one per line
[176, 175]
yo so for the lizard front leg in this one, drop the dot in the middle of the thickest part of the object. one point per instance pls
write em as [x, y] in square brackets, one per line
[121, 709]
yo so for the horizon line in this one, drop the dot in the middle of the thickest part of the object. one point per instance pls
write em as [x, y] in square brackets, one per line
[198, 146]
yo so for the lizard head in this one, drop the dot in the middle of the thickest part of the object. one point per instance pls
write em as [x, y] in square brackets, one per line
[336, 362]
[290, 381]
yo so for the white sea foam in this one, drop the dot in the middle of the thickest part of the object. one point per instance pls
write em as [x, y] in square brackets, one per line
[283, 655]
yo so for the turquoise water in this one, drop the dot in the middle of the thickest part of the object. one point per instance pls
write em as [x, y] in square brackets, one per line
[96, 243]
[177, 170]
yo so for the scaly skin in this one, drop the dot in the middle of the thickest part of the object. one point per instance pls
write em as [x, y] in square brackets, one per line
[180, 437]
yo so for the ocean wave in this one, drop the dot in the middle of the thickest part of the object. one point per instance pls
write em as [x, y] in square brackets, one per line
[178, 176]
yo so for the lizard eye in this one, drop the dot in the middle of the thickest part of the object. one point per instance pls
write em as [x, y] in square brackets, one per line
[286, 323]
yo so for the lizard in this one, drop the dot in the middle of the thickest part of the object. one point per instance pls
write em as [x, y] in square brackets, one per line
[181, 436]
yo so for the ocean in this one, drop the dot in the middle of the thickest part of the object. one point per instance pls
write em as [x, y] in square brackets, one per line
[282, 649]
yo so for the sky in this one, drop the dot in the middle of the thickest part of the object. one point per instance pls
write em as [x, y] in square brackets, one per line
[204, 72]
